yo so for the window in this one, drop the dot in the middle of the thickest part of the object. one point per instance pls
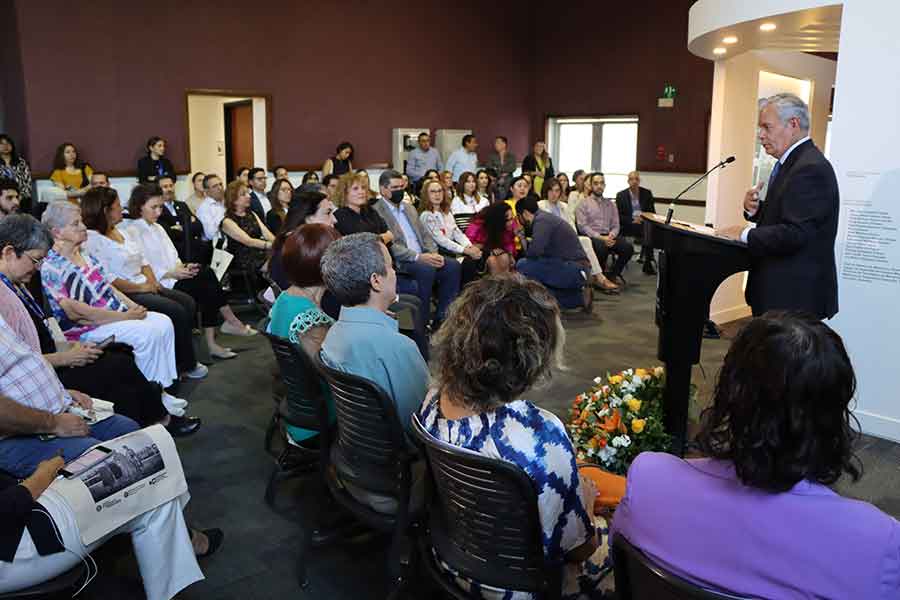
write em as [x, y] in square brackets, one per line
[607, 144]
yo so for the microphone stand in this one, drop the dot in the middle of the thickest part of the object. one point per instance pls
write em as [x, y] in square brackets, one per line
[671, 210]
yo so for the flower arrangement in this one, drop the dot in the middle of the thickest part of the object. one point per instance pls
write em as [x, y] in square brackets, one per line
[618, 419]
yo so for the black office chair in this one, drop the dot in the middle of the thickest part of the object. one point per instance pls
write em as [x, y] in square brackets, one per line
[370, 451]
[301, 403]
[639, 578]
[59, 588]
[483, 521]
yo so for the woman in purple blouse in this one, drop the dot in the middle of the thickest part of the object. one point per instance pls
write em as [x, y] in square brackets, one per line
[757, 517]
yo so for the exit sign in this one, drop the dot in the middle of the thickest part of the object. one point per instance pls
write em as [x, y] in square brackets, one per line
[669, 91]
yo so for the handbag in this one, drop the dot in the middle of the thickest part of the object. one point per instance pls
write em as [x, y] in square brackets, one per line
[221, 259]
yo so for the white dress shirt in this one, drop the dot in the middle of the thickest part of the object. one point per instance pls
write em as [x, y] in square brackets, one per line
[122, 261]
[745, 234]
[157, 248]
[264, 201]
[211, 214]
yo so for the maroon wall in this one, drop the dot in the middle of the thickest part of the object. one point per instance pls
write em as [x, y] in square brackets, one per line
[12, 93]
[108, 74]
[617, 63]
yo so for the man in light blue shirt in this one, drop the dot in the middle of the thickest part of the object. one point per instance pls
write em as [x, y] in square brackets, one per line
[464, 159]
[365, 341]
[423, 158]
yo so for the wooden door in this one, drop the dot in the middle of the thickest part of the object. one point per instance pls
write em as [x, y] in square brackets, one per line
[238, 137]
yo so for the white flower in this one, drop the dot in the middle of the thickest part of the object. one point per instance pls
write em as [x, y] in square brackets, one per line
[615, 401]
[621, 441]
[606, 454]
[627, 397]
[598, 380]
[637, 382]
[603, 412]
[629, 372]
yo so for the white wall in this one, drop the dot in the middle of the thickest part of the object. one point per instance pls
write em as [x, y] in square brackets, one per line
[864, 131]
[733, 132]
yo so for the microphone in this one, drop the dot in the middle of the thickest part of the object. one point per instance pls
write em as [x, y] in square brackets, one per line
[671, 210]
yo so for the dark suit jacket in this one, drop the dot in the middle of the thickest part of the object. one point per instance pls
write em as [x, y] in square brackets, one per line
[792, 246]
[190, 248]
[623, 203]
[257, 207]
[551, 237]
[147, 168]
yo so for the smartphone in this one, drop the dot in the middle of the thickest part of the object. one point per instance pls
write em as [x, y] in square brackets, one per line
[85, 461]
[106, 342]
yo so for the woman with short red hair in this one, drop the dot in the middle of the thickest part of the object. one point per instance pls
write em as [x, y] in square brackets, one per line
[297, 314]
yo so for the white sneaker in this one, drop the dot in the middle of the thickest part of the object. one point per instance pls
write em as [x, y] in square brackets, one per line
[174, 406]
[198, 372]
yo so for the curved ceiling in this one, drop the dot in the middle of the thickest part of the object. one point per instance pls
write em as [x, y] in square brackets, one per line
[800, 25]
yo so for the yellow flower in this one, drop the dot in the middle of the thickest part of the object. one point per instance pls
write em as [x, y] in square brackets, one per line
[658, 371]
[615, 379]
[633, 404]
[637, 425]
[642, 373]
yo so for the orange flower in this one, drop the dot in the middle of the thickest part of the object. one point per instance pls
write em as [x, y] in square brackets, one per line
[603, 442]
[642, 373]
[612, 422]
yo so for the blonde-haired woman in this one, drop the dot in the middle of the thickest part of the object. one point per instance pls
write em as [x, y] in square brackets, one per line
[539, 165]
[438, 222]
[355, 214]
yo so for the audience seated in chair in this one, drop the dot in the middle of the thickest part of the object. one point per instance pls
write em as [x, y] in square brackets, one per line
[757, 517]
[249, 238]
[365, 340]
[212, 210]
[598, 218]
[414, 252]
[297, 314]
[260, 204]
[9, 198]
[438, 222]
[305, 208]
[194, 280]
[183, 228]
[198, 195]
[40, 538]
[466, 199]
[631, 202]
[120, 254]
[501, 338]
[553, 203]
[90, 309]
[496, 232]
[554, 256]
[109, 372]
[280, 197]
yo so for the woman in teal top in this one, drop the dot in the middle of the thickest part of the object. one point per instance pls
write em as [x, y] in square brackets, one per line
[297, 314]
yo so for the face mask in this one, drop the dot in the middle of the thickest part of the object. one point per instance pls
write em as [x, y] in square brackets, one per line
[397, 196]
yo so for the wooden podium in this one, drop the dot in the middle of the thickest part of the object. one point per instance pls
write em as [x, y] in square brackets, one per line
[692, 264]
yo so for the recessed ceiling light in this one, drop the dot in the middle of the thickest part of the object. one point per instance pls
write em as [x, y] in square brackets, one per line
[719, 51]
[768, 27]
[731, 39]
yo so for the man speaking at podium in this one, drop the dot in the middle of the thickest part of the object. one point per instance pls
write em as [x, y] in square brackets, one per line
[792, 230]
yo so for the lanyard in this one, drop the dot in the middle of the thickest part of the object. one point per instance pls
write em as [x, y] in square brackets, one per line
[25, 297]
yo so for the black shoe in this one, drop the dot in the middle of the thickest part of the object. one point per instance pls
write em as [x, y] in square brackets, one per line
[649, 268]
[183, 426]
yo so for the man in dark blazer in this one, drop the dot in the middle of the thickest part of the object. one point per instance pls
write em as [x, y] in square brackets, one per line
[174, 217]
[415, 252]
[632, 201]
[259, 201]
[792, 230]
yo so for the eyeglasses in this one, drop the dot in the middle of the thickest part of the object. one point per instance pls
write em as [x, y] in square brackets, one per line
[37, 261]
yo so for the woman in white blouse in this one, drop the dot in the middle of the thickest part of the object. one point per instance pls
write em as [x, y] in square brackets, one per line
[197, 281]
[467, 199]
[121, 256]
[438, 221]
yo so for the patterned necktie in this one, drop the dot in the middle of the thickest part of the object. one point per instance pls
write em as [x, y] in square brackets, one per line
[774, 174]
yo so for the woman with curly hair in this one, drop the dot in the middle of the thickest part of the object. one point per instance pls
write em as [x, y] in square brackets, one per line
[757, 516]
[501, 339]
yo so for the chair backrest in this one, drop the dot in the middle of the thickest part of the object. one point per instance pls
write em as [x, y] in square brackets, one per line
[639, 578]
[463, 220]
[302, 384]
[370, 448]
[484, 519]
